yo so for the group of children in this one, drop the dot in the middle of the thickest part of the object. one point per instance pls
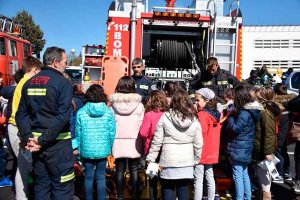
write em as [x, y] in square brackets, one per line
[182, 136]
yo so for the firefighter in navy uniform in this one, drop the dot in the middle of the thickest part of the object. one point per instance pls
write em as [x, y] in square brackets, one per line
[143, 84]
[215, 79]
[43, 121]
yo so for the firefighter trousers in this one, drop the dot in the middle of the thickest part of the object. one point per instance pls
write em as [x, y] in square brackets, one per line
[54, 173]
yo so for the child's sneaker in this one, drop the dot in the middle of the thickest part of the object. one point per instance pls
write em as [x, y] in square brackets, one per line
[296, 187]
[5, 182]
[287, 177]
[278, 179]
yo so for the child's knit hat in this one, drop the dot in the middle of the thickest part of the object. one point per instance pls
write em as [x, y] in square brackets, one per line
[206, 93]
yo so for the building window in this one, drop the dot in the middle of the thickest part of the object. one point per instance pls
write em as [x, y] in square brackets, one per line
[276, 43]
[296, 43]
[277, 63]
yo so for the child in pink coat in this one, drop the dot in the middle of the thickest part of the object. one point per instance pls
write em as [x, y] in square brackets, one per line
[128, 111]
[156, 105]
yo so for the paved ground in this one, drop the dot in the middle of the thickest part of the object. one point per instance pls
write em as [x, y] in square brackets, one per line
[284, 191]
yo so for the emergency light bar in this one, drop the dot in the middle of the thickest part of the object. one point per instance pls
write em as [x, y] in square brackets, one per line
[176, 15]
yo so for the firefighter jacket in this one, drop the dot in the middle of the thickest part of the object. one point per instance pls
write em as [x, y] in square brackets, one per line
[143, 86]
[217, 82]
[45, 107]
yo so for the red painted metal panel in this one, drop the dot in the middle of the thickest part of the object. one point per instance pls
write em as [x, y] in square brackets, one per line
[239, 54]
[118, 37]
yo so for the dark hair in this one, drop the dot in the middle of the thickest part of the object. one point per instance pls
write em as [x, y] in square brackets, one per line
[157, 101]
[212, 61]
[211, 104]
[76, 89]
[170, 87]
[265, 96]
[229, 93]
[95, 94]
[241, 96]
[280, 89]
[137, 61]
[263, 69]
[51, 54]
[182, 105]
[290, 70]
[125, 85]
[253, 73]
[19, 75]
[31, 62]
[265, 93]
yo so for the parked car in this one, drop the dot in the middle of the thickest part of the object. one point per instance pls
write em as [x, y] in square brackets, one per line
[293, 82]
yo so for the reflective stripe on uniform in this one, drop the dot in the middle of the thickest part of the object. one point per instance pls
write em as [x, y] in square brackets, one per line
[145, 87]
[207, 83]
[67, 177]
[64, 136]
[61, 136]
[36, 91]
[36, 134]
[222, 82]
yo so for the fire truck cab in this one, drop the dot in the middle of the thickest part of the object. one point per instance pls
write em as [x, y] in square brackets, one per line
[173, 42]
[13, 49]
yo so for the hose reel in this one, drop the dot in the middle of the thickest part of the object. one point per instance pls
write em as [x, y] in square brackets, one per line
[172, 54]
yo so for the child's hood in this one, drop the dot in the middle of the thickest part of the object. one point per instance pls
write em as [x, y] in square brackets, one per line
[95, 109]
[284, 98]
[125, 104]
[281, 99]
[254, 108]
[176, 119]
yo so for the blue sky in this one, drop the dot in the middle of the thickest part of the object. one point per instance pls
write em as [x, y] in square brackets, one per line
[74, 23]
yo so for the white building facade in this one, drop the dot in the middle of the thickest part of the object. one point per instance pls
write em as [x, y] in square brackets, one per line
[273, 46]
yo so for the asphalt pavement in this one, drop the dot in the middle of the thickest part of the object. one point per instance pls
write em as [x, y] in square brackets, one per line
[284, 191]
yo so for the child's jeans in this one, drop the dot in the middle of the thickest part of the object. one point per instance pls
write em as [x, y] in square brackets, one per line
[2, 161]
[95, 168]
[181, 186]
[153, 188]
[280, 165]
[241, 181]
[199, 172]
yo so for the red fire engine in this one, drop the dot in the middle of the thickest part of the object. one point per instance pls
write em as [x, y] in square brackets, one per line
[13, 49]
[174, 43]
